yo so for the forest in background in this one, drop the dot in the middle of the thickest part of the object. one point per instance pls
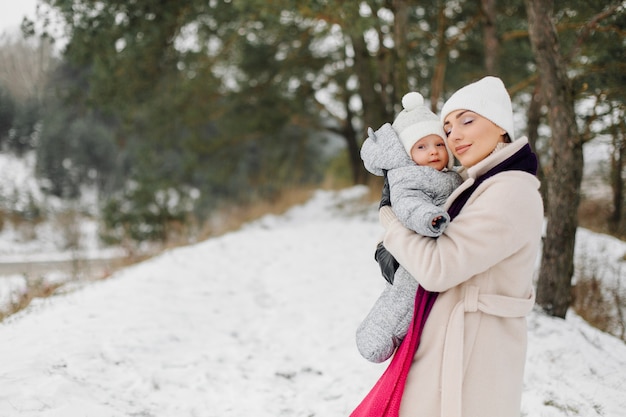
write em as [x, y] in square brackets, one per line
[176, 110]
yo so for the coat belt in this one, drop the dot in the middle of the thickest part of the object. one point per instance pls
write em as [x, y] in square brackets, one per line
[452, 368]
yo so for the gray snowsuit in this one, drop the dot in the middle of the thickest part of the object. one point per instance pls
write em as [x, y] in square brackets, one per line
[417, 195]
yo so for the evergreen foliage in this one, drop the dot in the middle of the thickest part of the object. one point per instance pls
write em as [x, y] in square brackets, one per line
[7, 114]
[223, 102]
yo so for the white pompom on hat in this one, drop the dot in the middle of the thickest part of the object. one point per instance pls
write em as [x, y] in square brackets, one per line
[416, 121]
[487, 97]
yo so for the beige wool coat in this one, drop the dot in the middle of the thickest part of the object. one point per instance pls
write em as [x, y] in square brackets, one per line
[470, 361]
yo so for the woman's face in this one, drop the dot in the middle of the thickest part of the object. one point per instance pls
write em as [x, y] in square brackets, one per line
[471, 137]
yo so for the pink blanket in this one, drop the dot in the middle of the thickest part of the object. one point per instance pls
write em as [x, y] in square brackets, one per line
[384, 398]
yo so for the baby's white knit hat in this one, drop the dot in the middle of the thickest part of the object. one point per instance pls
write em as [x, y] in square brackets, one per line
[416, 121]
[487, 97]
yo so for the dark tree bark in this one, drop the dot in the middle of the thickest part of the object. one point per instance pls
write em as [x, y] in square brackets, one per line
[444, 46]
[565, 175]
[618, 162]
[439, 73]
[374, 113]
[534, 119]
[490, 36]
[400, 29]
[359, 174]
[373, 109]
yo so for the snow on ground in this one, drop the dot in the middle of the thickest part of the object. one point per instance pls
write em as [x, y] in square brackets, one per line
[260, 322]
[20, 191]
[17, 182]
[58, 237]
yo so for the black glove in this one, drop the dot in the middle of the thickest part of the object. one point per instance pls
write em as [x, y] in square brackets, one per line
[385, 198]
[387, 263]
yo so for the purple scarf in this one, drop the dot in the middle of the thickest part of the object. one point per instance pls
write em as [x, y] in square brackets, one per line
[523, 160]
[385, 397]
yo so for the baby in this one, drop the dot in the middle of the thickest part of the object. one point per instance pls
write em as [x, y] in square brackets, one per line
[413, 154]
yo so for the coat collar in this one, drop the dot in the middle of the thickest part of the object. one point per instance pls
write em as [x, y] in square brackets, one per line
[496, 157]
[516, 156]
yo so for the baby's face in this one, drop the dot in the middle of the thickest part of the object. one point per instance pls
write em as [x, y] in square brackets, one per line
[430, 151]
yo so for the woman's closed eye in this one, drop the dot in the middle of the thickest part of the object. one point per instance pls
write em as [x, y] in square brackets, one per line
[467, 120]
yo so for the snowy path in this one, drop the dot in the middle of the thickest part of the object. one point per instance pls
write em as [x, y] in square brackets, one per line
[260, 323]
[256, 323]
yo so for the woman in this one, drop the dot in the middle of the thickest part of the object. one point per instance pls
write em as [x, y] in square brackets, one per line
[471, 355]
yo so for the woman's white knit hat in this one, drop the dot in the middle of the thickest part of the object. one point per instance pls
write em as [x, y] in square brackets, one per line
[487, 97]
[416, 121]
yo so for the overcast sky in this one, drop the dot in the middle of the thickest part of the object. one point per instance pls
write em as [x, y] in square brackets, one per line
[13, 11]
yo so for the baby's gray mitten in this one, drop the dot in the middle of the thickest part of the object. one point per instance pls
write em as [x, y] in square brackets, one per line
[387, 323]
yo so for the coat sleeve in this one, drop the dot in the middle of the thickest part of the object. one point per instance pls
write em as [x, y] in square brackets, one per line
[504, 214]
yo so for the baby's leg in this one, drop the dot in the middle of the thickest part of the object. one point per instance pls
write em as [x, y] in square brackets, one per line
[386, 324]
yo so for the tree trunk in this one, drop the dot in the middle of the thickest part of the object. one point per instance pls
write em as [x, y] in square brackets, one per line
[359, 174]
[617, 179]
[400, 68]
[564, 179]
[373, 109]
[439, 73]
[534, 119]
[490, 36]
